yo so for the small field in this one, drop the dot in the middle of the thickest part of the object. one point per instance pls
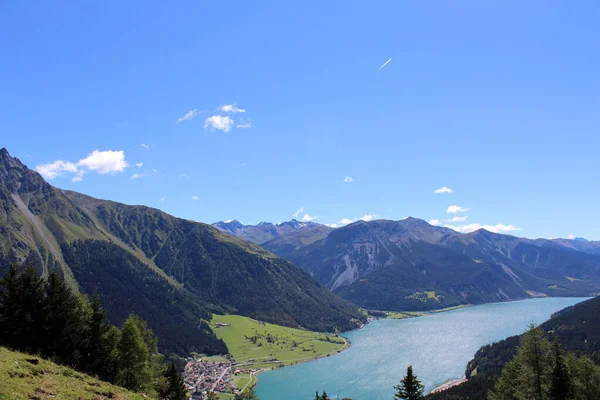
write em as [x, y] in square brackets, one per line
[28, 377]
[264, 345]
[402, 315]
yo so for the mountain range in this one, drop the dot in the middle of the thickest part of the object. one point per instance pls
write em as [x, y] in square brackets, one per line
[412, 265]
[172, 272]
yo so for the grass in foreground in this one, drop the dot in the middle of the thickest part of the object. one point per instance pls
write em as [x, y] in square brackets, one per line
[28, 377]
[253, 342]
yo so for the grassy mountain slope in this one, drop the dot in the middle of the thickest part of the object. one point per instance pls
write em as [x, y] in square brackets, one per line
[412, 265]
[23, 376]
[170, 271]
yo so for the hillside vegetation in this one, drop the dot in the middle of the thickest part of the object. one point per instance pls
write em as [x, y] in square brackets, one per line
[27, 377]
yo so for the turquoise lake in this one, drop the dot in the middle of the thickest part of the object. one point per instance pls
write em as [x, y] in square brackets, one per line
[438, 346]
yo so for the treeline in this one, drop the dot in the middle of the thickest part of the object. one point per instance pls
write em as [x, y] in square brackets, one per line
[45, 317]
[541, 370]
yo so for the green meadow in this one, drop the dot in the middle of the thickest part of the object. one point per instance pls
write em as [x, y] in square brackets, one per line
[258, 345]
[266, 345]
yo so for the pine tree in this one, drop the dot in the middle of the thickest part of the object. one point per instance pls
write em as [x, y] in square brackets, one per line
[63, 322]
[173, 387]
[134, 371]
[324, 396]
[410, 388]
[29, 313]
[529, 374]
[561, 385]
[10, 307]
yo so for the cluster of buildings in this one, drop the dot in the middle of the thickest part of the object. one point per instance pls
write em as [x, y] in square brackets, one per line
[202, 376]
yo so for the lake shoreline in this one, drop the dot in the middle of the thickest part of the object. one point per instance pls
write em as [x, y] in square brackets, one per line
[486, 333]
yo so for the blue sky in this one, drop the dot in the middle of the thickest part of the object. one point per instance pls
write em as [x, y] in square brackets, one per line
[498, 101]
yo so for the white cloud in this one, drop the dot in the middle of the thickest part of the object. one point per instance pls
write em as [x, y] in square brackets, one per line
[456, 209]
[308, 218]
[146, 146]
[184, 176]
[571, 237]
[139, 165]
[346, 221]
[384, 64]
[104, 162]
[57, 168]
[443, 190]
[435, 222]
[368, 217]
[78, 177]
[300, 210]
[195, 197]
[332, 225]
[222, 123]
[498, 228]
[137, 176]
[243, 165]
[231, 108]
[245, 124]
[162, 199]
[190, 115]
[457, 219]
[348, 179]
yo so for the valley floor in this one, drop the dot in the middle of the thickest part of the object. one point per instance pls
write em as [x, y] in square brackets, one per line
[255, 346]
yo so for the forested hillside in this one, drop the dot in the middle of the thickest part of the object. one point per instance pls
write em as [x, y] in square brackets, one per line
[576, 329]
[172, 272]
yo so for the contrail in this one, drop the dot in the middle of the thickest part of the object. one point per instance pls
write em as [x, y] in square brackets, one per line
[384, 64]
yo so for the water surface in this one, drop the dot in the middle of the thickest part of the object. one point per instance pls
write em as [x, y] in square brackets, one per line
[439, 346]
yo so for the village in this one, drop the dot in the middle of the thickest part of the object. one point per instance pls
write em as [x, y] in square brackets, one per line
[202, 376]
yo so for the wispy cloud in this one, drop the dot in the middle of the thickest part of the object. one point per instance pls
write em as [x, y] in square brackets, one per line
[243, 165]
[348, 179]
[384, 64]
[102, 162]
[162, 199]
[245, 124]
[137, 176]
[139, 165]
[443, 190]
[195, 197]
[190, 115]
[184, 176]
[308, 218]
[435, 222]
[457, 219]
[57, 168]
[144, 145]
[231, 108]
[297, 213]
[456, 209]
[219, 122]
